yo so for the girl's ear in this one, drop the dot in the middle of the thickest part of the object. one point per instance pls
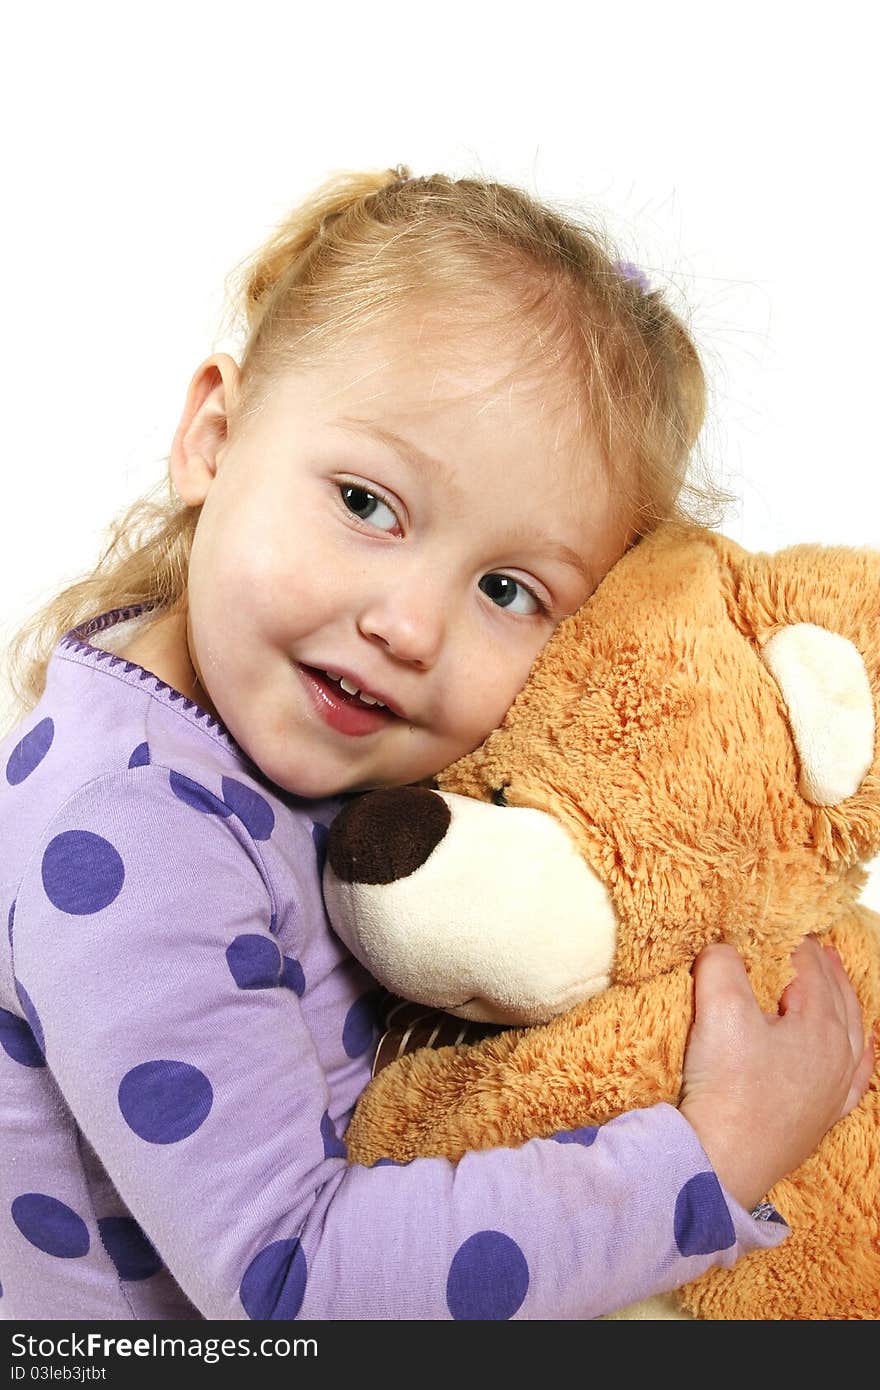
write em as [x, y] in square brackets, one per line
[201, 433]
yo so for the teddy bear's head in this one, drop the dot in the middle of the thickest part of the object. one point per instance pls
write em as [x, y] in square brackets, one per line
[694, 757]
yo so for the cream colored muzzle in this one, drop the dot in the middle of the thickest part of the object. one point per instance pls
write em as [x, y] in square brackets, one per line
[504, 922]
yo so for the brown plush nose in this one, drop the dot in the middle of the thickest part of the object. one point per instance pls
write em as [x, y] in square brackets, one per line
[385, 835]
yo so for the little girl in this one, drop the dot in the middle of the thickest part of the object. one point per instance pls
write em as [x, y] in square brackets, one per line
[454, 412]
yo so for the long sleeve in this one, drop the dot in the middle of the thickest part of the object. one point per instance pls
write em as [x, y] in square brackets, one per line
[209, 1037]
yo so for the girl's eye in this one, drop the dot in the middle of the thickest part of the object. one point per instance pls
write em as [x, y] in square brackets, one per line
[366, 506]
[510, 593]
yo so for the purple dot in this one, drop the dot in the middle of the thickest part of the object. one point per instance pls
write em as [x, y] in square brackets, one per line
[18, 1041]
[255, 962]
[128, 1247]
[292, 976]
[197, 796]
[333, 1145]
[273, 924]
[50, 1225]
[141, 756]
[319, 840]
[488, 1278]
[274, 1283]
[360, 1025]
[165, 1101]
[702, 1223]
[253, 810]
[31, 1015]
[586, 1135]
[30, 752]
[82, 872]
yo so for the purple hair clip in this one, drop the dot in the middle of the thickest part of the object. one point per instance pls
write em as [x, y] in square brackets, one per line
[632, 272]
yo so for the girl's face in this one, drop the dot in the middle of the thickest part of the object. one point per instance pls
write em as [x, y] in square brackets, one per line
[394, 520]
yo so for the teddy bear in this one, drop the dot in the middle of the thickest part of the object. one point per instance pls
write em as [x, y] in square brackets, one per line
[693, 758]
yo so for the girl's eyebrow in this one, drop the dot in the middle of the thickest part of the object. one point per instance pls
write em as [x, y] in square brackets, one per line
[555, 550]
[404, 448]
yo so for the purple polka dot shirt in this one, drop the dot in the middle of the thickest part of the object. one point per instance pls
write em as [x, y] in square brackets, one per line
[183, 1040]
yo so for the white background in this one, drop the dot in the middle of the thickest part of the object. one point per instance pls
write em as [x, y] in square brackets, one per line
[729, 148]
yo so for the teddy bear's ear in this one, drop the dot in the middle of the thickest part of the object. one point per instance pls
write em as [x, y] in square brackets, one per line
[813, 613]
[825, 685]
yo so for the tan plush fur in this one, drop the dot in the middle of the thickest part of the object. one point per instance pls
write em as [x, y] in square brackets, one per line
[653, 731]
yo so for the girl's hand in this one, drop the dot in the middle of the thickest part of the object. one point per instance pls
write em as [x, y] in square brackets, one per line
[762, 1089]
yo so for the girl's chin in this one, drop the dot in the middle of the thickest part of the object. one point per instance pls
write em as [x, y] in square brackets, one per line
[304, 773]
[317, 787]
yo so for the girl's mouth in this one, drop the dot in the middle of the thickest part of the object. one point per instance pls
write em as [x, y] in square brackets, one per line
[345, 713]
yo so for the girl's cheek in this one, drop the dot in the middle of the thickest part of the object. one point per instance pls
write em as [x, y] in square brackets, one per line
[486, 710]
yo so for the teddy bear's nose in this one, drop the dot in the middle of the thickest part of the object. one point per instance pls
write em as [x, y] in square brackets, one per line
[385, 835]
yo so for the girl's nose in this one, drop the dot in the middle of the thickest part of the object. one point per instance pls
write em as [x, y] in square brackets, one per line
[410, 625]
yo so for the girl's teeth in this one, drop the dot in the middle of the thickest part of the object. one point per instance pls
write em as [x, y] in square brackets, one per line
[351, 689]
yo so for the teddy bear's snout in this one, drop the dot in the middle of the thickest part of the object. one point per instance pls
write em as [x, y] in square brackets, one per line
[386, 835]
[493, 915]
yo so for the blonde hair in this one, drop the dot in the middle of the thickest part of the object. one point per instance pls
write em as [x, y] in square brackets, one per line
[367, 246]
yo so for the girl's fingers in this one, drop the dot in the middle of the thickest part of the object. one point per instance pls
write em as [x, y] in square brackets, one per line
[811, 981]
[837, 998]
[849, 1002]
[720, 979]
[860, 1079]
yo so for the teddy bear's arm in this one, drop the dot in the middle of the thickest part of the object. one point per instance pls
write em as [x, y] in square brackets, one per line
[620, 1051]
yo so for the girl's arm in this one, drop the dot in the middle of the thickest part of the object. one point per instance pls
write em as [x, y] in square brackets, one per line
[207, 1071]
